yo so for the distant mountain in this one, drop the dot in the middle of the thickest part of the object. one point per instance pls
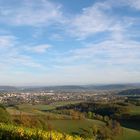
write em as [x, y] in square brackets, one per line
[130, 92]
[68, 87]
[112, 86]
[71, 88]
[107, 87]
[76, 88]
[7, 88]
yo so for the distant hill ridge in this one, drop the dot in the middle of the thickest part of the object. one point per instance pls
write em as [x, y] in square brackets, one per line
[71, 87]
[7, 88]
[130, 92]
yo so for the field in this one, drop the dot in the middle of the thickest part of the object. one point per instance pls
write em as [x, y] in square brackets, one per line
[54, 105]
[134, 110]
[76, 127]
[42, 107]
[129, 134]
[73, 126]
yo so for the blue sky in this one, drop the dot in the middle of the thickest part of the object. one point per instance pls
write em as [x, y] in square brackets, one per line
[56, 42]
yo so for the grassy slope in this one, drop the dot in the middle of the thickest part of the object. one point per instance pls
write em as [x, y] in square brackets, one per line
[132, 124]
[129, 134]
[70, 126]
[135, 110]
[50, 106]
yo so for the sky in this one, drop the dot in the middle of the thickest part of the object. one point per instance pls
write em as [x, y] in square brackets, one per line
[69, 42]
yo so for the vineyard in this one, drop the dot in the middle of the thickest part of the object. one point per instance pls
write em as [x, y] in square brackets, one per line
[11, 132]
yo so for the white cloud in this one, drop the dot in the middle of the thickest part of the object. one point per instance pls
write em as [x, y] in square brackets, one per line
[100, 18]
[32, 13]
[23, 60]
[56, 37]
[92, 20]
[7, 41]
[111, 52]
[114, 52]
[133, 3]
[39, 48]
[11, 54]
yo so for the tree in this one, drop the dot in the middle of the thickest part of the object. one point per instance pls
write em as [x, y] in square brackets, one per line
[90, 116]
[106, 118]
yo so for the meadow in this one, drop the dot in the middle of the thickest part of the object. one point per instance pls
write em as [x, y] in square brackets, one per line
[135, 110]
[65, 124]
[129, 134]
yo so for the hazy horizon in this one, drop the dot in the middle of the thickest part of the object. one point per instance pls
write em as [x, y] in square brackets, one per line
[60, 42]
[53, 85]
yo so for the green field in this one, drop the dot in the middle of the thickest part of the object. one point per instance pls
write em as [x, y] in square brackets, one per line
[14, 111]
[129, 134]
[132, 124]
[54, 105]
[43, 107]
[135, 110]
[76, 126]
[71, 126]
